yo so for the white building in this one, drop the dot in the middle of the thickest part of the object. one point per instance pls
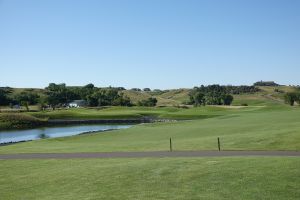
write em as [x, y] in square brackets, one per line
[77, 104]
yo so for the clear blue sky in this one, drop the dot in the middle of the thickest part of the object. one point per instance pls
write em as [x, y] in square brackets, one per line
[149, 43]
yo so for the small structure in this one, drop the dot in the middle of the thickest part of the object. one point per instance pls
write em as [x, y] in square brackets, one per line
[77, 104]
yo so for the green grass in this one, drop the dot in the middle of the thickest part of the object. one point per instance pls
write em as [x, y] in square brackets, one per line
[245, 129]
[168, 178]
[178, 96]
[22, 120]
[266, 124]
[137, 112]
[19, 121]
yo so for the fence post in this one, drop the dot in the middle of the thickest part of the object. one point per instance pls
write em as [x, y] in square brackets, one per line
[219, 144]
[171, 149]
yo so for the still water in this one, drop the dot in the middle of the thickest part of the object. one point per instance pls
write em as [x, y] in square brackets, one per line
[53, 132]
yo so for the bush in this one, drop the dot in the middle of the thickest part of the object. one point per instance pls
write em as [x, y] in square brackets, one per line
[151, 102]
[227, 99]
[291, 97]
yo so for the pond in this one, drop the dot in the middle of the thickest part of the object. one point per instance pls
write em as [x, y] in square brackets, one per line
[53, 132]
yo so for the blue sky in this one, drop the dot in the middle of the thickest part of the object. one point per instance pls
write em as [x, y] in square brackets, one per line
[149, 43]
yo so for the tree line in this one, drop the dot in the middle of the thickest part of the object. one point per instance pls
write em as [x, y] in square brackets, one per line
[217, 94]
[210, 95]
[59, 95]
[292, 97]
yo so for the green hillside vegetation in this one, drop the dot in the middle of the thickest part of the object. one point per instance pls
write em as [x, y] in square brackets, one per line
[268, 95]
[136, 96]
[16, 121]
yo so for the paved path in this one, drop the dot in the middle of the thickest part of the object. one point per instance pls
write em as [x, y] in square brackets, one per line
[155, 154]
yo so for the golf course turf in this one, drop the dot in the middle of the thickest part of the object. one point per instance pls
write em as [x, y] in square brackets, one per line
[239, 128]
[165, 178]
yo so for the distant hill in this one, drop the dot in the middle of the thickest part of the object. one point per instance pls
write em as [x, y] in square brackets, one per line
[267, 95]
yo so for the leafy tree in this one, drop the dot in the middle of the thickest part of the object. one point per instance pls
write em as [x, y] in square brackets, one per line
[108, 97]
[92, 100]
[42, 103]
[198, 99]
[56, 94]
[214, 94]
[290, 98]
[4, 99]
[30, 97]
[25, 104]
[227, 99]
[122, 101]
[147, 90]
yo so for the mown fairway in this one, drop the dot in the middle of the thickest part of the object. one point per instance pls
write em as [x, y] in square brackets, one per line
[239, 129]
[180, 178]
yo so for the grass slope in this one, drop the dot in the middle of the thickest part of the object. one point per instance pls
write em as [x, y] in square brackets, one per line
[180, 178]
[239, 130]
[16, 121]
[21, 120]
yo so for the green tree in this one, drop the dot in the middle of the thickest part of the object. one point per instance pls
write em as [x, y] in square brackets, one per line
[30, 97]
[25, 104]
[108, 97]
[59, 94]
[227, 99]
[4, 98]
[42, 103]
[150, 102]
[290, 98]
[298, 98]
[198, 99]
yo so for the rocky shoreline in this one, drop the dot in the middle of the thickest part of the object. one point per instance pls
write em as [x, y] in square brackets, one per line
[105, 121]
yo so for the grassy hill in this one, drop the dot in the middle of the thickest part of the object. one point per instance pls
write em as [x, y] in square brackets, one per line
[268, 95]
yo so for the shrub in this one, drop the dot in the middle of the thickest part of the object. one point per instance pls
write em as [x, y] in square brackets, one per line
[291, 97]
[151, 102]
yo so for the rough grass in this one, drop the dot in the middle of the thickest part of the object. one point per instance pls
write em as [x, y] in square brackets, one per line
[136, 96]
[19, 121]
[240, 130]
[168, 178]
